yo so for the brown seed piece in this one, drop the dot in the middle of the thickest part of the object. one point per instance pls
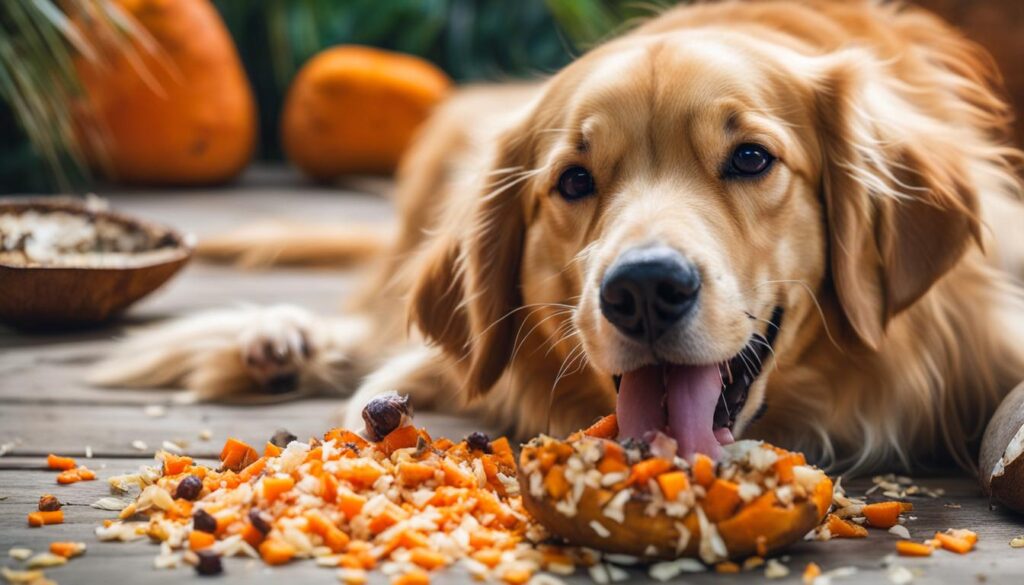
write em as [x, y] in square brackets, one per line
[49, 503]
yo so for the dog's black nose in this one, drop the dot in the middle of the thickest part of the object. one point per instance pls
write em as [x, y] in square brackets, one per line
[647, 290]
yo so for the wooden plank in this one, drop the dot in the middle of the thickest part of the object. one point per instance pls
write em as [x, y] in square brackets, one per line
[110, 429]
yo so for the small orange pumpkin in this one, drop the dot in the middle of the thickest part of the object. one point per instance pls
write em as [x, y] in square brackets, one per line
[354, 110]
[181, 114]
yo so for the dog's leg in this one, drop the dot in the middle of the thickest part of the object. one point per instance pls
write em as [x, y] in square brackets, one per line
[272, 350]
[421, 372]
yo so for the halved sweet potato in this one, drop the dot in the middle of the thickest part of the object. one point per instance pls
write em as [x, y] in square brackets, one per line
[760, 525]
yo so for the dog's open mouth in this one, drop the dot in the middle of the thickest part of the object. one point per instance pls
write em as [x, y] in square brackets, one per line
[696, 405]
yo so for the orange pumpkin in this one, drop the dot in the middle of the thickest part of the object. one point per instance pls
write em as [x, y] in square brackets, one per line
[354, 110]
[182, 113]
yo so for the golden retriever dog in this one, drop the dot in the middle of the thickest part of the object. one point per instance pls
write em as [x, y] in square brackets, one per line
[794, 220]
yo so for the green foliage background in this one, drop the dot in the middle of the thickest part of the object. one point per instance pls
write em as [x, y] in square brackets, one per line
[470, 39]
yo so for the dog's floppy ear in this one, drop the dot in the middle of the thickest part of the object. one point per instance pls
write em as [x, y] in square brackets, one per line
[465, 295]
[901, 206]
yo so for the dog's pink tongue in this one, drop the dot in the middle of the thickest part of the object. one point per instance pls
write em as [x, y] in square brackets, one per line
[693, 394]
[641, 404]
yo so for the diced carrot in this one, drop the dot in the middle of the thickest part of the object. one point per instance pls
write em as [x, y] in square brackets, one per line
[555, 483]
[428, 559]
[400, 438]
[198, 540]
[516, 576]
[410, 539]
[225, 518]
[968, 535]
[350, 504]
[412, 473]
[336, 539]
[481, 538]
[703, 470]
[274, 486]
[727, 567]
[952, 543]
[318, 523]
[413, 577]
[841, 528]
[454, 475]
[605, 428]
[253, 469]
[909, 548]
[722, 499]
[328, 487]
[648, 469]
[882, 514]
[68, 476]
[784, 466]
[36, 519]
[271, 450]
[673, 483]
[276, 552]
[345, 436]
[811, 572]
[383, 521]
[237, 455]
[67, 549]
[501, 446]
[359, 472]
[906, 507]
[175, 464]
[61, 463]
[86, 474]
[488, 556]
[252, 535]
[316, 454]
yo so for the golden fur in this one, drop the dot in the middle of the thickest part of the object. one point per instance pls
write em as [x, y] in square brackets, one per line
[883, 230]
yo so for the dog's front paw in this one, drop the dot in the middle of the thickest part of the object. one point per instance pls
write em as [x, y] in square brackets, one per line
[277, 346]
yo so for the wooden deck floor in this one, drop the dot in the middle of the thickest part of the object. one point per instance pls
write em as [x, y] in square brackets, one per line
[45, 408]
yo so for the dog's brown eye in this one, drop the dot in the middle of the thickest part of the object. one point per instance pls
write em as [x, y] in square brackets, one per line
[749, 160]
[575, 183]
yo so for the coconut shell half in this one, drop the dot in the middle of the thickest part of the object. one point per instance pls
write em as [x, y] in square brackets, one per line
[42, 297]
[1002, 452]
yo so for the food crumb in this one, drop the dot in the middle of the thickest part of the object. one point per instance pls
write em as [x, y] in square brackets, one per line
[899, 575]
[205, 435]
[139, 445]
[811, 572]
[773, 569]
[155, 411]
[19, 553]
[88, 451]
[1017, 542]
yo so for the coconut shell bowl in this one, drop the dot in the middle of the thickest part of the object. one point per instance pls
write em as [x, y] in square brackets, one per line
[69, 264]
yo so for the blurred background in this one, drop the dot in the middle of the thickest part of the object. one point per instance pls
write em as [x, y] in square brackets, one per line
[190, 92]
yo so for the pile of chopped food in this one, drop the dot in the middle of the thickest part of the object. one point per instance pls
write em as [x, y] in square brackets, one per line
[392, 498]
[400, 501]
[640, 498]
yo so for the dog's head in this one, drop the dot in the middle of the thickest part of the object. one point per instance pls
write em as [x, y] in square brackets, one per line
[693, 196]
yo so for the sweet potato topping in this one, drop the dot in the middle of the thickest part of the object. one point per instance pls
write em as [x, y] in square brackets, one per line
[620, 498]
[406, 504]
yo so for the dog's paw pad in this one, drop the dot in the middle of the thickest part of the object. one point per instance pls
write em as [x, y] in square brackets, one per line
[276, 347]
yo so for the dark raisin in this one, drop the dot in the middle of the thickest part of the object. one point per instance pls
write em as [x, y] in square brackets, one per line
[189, 488]
[202, 520]
[386, 413]
[478, 441]
[49, 503]
[258, 521]
[282, 437]
[208, 563]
